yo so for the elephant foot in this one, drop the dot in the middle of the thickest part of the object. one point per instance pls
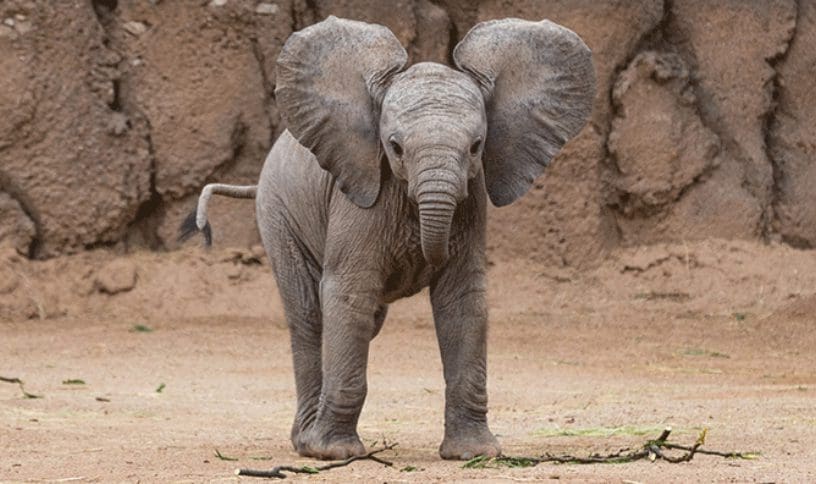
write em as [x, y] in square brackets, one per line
[328, 447]
[467, 445]
[299, 428]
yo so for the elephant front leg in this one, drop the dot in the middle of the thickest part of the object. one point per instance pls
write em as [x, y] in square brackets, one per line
[460, 315]
[348, 326]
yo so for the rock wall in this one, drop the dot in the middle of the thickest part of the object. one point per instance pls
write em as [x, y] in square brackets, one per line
[113, 114]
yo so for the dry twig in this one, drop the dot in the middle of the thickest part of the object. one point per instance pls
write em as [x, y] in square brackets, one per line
[652, 450]
[278, 471]
[20, 383]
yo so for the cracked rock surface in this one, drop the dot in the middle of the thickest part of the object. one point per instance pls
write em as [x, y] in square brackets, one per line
[792, 135]
[114, 113]
[79, 181]
[653, 95]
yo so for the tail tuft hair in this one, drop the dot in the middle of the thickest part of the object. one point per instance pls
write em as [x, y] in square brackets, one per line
[189, 228]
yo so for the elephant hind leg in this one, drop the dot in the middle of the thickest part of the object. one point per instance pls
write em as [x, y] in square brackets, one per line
[305, 334]
[298, 283]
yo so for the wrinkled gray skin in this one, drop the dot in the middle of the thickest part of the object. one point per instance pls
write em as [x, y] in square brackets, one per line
[379, 188]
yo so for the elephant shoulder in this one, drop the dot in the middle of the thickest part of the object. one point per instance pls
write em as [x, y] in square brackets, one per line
[291, 165]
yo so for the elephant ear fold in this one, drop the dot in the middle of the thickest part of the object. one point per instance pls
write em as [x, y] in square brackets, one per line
[539, 84]
[331, 78]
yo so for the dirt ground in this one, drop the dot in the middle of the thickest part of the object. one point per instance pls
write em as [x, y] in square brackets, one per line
[715, 335]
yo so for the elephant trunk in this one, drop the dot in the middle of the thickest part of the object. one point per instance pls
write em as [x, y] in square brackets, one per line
[436, 196]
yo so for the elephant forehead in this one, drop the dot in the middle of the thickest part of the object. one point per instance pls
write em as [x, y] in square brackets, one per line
[433, 87]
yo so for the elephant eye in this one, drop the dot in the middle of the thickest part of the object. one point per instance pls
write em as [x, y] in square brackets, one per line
[395, 146]
[474, 148]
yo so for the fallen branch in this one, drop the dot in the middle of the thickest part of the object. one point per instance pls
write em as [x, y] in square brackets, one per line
[278, 471]
[652, 450]
[22, 387]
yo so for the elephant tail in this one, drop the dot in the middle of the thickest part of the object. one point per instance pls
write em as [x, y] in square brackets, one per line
[197, 220]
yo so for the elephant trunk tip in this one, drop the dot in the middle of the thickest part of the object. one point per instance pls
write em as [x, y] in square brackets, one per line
[436, 258]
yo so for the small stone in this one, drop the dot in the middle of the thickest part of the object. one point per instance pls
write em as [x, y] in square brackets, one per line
[20, 17]
[136, 62]
[9, 21]
[116, 276]
[218, 3]
[135, 28]
[266, 9]
[118, 124]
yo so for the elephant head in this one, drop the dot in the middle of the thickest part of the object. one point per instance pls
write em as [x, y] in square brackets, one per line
[521, 91]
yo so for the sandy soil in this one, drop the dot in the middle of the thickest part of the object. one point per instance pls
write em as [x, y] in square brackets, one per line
[715, 334]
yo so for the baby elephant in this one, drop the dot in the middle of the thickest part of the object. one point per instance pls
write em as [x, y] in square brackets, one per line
[379, 188]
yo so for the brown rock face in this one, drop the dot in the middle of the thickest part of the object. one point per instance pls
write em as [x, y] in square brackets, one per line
[733, 44]
[84, 178]
[432, 43]
[397, 15]
[793, 135]
[203, 105]
[114, 113]
[201, 76]
[659, 143]
[659, 148]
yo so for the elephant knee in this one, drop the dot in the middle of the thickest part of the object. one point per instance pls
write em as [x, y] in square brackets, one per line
[379, 319]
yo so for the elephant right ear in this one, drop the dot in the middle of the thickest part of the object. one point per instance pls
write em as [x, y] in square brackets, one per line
[331, 79]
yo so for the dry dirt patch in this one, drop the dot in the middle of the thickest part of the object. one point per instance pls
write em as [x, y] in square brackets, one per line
[714, 334]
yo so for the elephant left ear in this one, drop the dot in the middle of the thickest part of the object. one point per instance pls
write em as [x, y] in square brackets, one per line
[538, 82]
[331, 79]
